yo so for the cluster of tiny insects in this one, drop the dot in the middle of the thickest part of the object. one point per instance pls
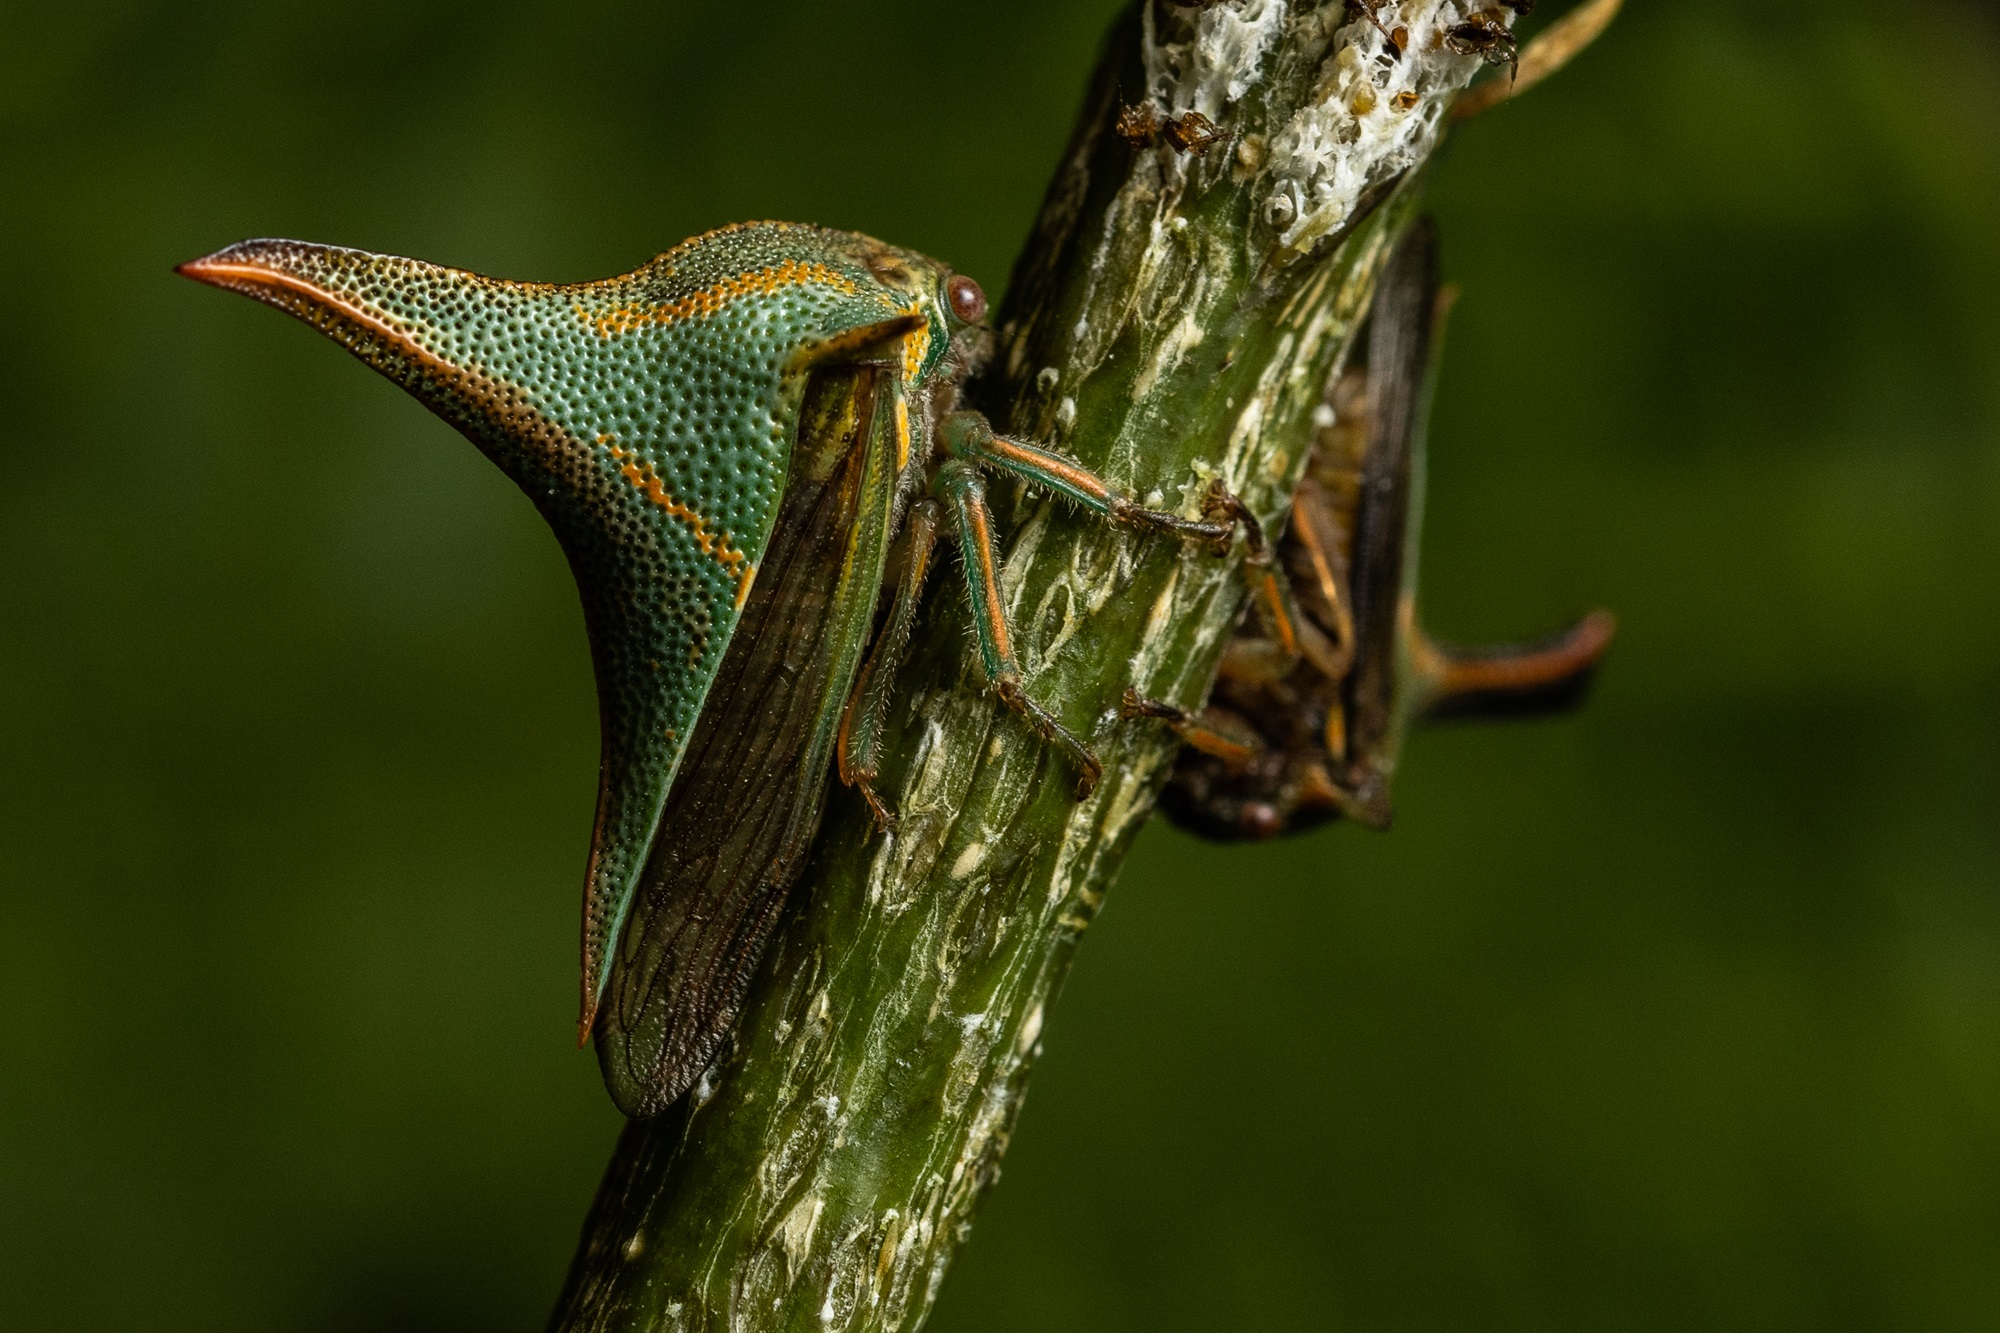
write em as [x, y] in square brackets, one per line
[1142, 126]
[1483, 33]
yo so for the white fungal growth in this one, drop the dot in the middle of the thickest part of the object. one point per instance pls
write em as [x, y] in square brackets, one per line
[1374, 114]
[1224, 58]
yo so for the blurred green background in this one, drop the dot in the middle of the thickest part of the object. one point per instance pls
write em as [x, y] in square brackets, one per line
[1682, 1014]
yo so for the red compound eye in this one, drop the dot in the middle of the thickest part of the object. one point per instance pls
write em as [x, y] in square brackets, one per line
[967, 301]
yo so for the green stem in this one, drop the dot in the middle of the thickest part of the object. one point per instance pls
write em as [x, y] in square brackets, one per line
[1173, 319]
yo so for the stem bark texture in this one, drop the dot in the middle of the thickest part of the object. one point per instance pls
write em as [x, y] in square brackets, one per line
[1174, 318]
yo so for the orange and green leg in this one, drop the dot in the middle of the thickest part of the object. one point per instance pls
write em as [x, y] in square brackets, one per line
[969, 438]
[959, 492]
[964, 491]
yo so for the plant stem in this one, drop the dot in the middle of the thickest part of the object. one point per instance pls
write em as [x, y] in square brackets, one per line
[1173, 319]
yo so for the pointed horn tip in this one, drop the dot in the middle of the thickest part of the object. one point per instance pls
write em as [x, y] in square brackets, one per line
[201, 270]
[264, 260]
[243, 261]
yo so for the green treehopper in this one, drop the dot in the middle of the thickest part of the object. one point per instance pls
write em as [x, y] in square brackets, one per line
[728, 443]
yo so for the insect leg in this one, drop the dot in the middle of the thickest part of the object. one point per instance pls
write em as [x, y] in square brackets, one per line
[963, 490]
[1500, 682]
[1318, 535]
[861, 725]
[1289, 634]
[969, 437]
[1234, 746]
[1260, 566]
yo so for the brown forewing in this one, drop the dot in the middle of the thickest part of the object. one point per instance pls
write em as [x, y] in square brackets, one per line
[742, 811]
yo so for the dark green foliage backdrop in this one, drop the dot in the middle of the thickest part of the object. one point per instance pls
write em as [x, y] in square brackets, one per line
[1684, 1014]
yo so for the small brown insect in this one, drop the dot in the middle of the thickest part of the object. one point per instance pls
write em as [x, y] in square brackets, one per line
[1520, 7]
[1192, 132]
[1142, 126]
[1484, 36]
[1138, 126]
